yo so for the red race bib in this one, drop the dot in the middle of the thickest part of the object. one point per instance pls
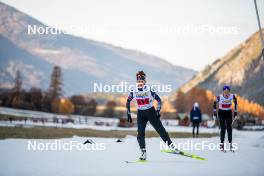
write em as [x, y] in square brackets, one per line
[142, 101]
[226, 105]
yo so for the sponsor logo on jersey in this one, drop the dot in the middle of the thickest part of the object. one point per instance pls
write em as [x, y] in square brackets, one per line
[141, 94]
[227, 101]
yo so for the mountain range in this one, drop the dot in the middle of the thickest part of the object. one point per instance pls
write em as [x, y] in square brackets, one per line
[83, 61]
[242, 68]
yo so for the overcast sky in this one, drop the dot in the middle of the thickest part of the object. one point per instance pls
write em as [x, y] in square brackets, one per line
[190, 33]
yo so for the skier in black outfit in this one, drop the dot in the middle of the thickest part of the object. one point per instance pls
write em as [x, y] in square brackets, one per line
[145, 97]
[196, 118]
[224, 114]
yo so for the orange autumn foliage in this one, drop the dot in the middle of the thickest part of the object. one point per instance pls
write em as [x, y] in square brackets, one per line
[250, 107]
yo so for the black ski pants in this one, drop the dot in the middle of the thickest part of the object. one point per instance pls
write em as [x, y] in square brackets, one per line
[225, 119]
[143, 116]
[196, 125]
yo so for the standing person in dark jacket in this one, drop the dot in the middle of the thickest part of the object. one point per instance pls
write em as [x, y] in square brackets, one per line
[196, 118]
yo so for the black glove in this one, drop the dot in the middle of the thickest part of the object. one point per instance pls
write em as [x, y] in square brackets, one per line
[158, 113]
[129, 119]
[235, 114]
[215, 114]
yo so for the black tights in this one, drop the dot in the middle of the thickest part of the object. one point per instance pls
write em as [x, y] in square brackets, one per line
[143, 117]
[225, 118]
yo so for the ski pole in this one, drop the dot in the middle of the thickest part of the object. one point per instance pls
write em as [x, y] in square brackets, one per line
[234, 120]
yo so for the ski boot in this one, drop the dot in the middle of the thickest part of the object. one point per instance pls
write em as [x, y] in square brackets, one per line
[231, 148]
[222, 147]
[143, 155]
[173, 148]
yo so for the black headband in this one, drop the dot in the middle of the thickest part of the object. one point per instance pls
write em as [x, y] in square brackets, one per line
[140, 77]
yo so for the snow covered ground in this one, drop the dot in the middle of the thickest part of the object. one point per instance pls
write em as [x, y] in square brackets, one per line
[16, 159]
